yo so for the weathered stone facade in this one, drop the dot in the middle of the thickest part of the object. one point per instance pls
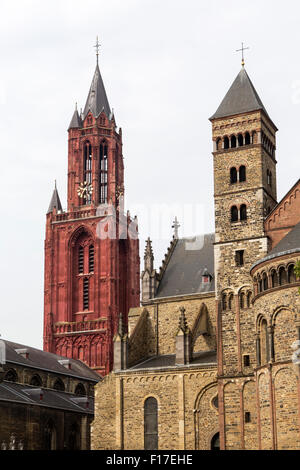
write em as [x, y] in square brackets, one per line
[249, 316]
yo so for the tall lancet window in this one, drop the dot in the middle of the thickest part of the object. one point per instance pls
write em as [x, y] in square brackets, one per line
[103, 173]
[87, 170]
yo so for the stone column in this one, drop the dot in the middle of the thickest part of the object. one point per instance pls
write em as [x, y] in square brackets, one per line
[258, 358]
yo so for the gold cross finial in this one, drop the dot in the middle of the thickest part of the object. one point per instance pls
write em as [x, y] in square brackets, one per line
[242, 51]
[97, 47]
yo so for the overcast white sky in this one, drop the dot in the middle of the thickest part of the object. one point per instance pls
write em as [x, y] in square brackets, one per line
[166, 66]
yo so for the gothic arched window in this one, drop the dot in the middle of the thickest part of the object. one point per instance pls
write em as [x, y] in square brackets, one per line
[233, 175]
[243, 212]
[36, 381]
[80, 390]
[233, 141]
[226, 143]
[249, 299]
[103, 173]
[11, 376]
[242, 173]
[59, 385]
[151, 424]
[234, 214]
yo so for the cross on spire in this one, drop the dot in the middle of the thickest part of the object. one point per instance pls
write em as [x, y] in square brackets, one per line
[97, 47]
[176, 226]
[242, 51]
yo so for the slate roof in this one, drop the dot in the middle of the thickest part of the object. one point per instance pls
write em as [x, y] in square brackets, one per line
[289, 244]
[97, 99]
[48, 361]
[55, 202]
[189, 260]
[168, 360]
[76, 121]
[241, 98]
[19, 393]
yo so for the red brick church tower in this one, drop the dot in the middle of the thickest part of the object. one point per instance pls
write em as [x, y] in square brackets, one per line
[91, 249]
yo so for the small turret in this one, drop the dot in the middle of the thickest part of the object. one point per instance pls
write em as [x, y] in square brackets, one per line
[55, 201]
[149, 274]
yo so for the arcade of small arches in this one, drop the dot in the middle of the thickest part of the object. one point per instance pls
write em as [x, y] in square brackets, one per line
[36, 381]
[274, 277]
[91, 350]
[244, 139]
[244, 299]
[236, 140]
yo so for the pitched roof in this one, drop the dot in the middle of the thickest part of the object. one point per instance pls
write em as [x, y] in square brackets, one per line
[20, 393]
[188, 262]
[44, 360]
[55, 202]
[169, 360]
[241, 98]
[97, 99]
[289, 244]
[76, 121]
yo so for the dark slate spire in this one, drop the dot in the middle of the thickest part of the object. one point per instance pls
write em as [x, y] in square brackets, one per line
[76, 121]
[55, 201]
[97, 100]
[241, 98]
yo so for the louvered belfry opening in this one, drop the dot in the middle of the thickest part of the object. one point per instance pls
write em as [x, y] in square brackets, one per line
[80, 259]
[86, 293]
[91, 258]
[103, 173]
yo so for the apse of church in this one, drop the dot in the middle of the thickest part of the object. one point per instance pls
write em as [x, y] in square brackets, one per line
[92, 247]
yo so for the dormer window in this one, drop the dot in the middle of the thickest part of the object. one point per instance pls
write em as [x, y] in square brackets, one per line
[206, 277]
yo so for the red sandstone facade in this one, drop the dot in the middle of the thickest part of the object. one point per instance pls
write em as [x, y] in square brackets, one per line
[92, 249]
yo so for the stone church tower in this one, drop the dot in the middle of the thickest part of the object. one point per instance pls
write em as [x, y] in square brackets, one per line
[92, 248]
[245, 193]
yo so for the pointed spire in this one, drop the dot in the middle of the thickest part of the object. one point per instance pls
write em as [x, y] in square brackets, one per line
[76, 121]
[55, 201]
[241, 98]
[97, 100]
[148, 249]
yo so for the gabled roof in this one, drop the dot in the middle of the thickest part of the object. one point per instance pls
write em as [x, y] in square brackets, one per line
[55, 201]
[76, 121]
[241, 98]
[190, 260]
[97, 100]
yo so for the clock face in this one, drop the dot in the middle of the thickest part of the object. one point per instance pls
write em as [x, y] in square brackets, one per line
[85, 190]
